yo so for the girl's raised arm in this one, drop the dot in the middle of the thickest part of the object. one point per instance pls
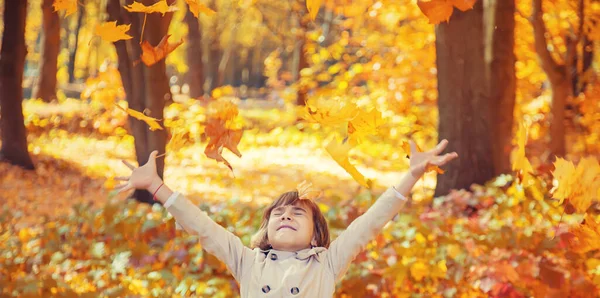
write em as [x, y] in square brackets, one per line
[214, 238]
[366, 227]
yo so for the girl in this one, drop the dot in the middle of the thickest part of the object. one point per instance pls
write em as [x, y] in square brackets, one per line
[291, 255]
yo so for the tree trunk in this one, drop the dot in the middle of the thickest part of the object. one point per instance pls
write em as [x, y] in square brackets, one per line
[302, 59]
[559, 80]
[12, 64]
[464, 110]
[500, 62]
[195, 74]
[73, 50]
[49, 64]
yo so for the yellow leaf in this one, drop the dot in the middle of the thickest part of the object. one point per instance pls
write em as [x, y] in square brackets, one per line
[579, 184]
[463, 5]
[364, 124]
[586, 236]
[69, 6]
[418, 270]
[339, 152]
[329, 112]
[110, 32]
[152, 122]
[436, 11]
[151, 55]
[313, 8]
[196, 8]
[160, 6]
[520, 163]
[177, 140]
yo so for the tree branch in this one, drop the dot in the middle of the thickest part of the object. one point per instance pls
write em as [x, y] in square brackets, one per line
[551, 67]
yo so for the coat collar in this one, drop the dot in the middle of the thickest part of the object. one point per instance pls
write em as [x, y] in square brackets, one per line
[300, 255]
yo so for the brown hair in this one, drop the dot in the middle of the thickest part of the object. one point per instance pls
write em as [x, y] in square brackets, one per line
[321, 232]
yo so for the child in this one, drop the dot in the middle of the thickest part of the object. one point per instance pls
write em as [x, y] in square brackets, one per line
[291, 255]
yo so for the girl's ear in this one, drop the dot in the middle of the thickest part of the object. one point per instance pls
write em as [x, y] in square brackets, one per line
[313, 242]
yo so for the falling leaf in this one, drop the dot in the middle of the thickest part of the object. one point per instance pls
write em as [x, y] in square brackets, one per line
[151, 55]
[520, 163]
[366, 123]
[110, 32]
[177, 140]
[160, 6]
[306, 191]
[196, 8]
[436, 11]
[463, 5]
[152, 122]
[69, 6]
[339, 152]
[222, 131]
[313, 8]
[329, 112]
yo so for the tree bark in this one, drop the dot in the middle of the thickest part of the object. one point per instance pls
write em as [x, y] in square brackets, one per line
[46, 89]
[464, 110]
[73, 50]
[500, 62]
[559, 78]
[12, 64]
[195, 74]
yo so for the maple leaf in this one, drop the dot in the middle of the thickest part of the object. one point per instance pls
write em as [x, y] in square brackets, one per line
[151, 55]
[364, 124]
[177, 140]
[436, 11]
[220, 137]
[152, 122]
[586, 236]
[579, 184]
[160, 6]
[110, 32]
[339, 152]
[329, 112]
[69, 6]
[520, 163]
[196, 8]
[313, 8]
[463, 5]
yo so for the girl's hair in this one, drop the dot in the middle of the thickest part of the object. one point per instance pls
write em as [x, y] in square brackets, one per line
[321, 232]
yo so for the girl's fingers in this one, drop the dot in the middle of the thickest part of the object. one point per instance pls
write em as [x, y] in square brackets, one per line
[413, 147]
[440, 161]
[122, 178]
[130, 166]
[124, 188]
[440, 147]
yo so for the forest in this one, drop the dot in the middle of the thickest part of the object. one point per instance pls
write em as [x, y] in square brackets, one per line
[247, 99]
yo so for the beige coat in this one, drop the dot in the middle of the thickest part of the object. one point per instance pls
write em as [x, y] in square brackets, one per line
[271, 273]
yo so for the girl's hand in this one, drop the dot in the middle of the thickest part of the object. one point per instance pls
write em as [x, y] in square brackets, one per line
[420, 161]
[144, 177]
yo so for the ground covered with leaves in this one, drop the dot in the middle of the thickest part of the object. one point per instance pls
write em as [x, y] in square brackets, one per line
[64, 233]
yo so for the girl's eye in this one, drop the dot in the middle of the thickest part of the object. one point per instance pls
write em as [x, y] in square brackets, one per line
[298, 213]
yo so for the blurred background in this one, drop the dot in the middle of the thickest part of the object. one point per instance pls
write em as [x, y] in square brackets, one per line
[245, 99]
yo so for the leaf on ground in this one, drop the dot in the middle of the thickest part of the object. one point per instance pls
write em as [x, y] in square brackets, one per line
[436, 11]
[151, 55]
[339, 151]
[313, 8]
[110, 32]
[152, 122]
[69, 6]
[160, 6]
[520, 163]
[196, 8]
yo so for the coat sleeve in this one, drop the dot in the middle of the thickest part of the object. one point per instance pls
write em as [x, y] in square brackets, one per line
[215, 239]
[362, 230]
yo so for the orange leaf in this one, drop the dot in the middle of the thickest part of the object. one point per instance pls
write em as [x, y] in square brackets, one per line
[69, 6]
[219, 129]
[313, 8]
[152, 122]
[586, 236]
[579, 184]
[463, 5]
[520, 163]
[196, 8]
[436, 11]
[151, 55]
[160, 6]
[339, 152]
[110, 32]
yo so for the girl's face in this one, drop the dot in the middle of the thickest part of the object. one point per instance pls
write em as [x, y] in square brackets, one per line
[291, 228]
